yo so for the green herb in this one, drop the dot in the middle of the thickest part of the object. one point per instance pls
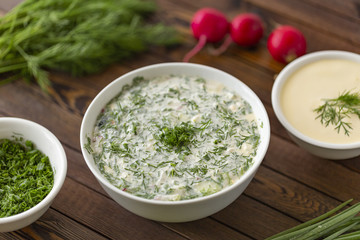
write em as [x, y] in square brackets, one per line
[177, 137]
[174, 91]
[190, 103]
[26, 176]
[344, 225]
[87, 146]
[79, 37]
[334, 111]
[121, 151]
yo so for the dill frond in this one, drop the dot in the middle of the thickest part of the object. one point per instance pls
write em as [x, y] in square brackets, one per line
[334, 111]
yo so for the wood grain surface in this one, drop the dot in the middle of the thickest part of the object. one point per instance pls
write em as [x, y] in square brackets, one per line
[291, 185]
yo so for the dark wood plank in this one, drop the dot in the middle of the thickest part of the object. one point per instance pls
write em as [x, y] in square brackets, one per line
[27, 101]
[314, 17]
[255, 218]
[106, 216]
[78, 171]
[205, 229]
[325, 175]
[53, 225]
[353, 164]
[348, 9]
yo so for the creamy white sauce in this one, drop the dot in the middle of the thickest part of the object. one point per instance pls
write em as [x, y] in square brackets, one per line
[129, 149]
[306, 89]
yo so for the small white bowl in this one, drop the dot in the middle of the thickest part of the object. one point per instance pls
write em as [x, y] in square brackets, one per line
[47, 143]
[185, 210]
[318, 148]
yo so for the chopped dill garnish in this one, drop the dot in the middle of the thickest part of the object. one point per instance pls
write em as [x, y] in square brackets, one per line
[26, 176]
[177, 137]
[87, 146]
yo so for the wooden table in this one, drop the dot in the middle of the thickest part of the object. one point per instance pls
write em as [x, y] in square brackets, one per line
[291, 185]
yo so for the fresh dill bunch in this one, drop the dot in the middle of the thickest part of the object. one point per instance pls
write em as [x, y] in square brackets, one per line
[79, 37]
[334, 111]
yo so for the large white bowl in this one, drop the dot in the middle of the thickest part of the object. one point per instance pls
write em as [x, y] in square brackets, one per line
[315, 147]
[185, 210]
[47, 143]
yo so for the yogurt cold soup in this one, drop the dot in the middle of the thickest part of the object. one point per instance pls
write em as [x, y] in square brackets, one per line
[308, 87]
[174, 138]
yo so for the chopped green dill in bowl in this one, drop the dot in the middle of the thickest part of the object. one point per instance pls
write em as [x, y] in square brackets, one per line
[33, 168]
[26, 176]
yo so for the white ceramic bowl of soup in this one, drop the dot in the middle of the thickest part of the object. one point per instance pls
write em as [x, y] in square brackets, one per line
[48, 144]
[181, 210]
[305, 84]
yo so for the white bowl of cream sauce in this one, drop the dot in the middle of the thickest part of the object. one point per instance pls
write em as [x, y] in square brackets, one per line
[308, 83]
[162, 207]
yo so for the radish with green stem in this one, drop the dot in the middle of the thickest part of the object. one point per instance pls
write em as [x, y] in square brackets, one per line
[208, 25]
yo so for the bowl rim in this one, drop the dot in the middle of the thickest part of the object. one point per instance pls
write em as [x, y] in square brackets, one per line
[60, 173]
[281, 79]
[252, 170]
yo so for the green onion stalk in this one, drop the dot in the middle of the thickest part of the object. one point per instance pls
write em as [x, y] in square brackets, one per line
[344, 225]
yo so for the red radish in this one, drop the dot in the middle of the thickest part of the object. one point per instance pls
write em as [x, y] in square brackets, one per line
[246, 30]
[286, 43]
[208, 25]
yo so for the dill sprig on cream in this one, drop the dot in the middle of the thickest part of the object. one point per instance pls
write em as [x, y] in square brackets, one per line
[335, 111]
